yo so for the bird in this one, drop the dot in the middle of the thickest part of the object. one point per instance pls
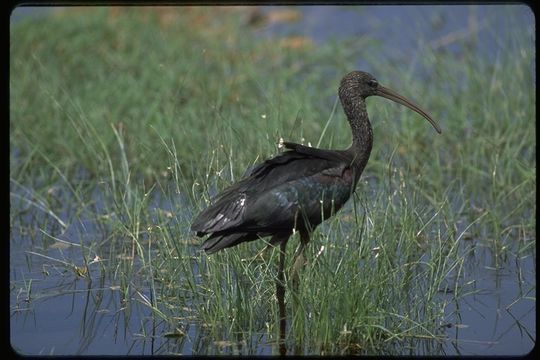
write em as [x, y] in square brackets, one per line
[299, 188]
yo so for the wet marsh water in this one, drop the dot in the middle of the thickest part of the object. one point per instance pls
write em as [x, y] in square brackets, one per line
[53, 310]
[68, 296]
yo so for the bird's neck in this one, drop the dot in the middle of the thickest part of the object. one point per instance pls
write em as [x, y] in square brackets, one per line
[362, 134]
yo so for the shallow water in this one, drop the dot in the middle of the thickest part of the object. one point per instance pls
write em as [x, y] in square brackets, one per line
[67, 314]
[499, 316]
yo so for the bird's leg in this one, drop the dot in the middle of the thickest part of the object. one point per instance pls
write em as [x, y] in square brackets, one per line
[280, 294]
[299, 260]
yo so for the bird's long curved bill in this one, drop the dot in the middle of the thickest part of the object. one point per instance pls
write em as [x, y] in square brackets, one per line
[394, 96]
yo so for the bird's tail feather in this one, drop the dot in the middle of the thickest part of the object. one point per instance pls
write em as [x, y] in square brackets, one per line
[218, 242]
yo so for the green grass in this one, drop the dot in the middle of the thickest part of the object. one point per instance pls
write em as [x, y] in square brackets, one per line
[113, 110]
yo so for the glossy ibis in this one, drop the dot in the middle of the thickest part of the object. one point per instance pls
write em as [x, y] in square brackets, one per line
[299, 188]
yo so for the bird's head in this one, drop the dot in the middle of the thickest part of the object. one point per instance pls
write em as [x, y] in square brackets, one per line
[362, 84]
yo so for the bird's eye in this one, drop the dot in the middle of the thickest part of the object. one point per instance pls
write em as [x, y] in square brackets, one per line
[373, 83]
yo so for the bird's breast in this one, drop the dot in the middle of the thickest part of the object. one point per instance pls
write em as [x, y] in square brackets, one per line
[328, 190]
